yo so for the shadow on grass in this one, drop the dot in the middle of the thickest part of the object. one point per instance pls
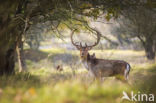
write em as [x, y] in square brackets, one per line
[36, 56]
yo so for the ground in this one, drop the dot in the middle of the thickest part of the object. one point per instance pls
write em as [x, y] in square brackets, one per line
[44, 84]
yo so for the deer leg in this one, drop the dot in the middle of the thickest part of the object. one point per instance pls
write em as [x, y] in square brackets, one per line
[98, 76]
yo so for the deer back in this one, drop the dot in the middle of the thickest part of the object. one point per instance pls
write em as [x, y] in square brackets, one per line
[104, 68]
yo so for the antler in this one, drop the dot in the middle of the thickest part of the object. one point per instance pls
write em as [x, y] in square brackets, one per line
[77, 46]
[98, 38]
[86, 46]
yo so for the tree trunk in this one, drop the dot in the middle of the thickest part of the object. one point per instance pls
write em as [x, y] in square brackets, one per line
[9, 32]
[7, 48]
[150, 53]
[150, 49]
[20, 57]
[7, 61]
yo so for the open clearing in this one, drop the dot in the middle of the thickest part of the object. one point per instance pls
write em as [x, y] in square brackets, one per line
[43, 84]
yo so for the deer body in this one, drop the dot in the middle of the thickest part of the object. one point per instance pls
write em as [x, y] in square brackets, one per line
[106, 68]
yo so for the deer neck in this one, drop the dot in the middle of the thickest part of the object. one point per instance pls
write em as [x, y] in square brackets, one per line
[85, 61]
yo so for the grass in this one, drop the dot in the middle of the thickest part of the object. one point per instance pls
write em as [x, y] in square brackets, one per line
[43, 84]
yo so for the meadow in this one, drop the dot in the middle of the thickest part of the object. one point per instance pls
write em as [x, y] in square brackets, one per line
[42, 83]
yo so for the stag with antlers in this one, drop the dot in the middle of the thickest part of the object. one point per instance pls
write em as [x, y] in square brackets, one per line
[101, 67]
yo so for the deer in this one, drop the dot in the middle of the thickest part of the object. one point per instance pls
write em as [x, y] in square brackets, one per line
[59, 68]
[101, 67]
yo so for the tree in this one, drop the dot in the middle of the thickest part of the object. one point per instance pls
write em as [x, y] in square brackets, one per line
[17, 16]
[140, 22]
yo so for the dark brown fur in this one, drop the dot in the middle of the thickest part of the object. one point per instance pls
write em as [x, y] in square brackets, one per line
[105, 68]
[59, 68]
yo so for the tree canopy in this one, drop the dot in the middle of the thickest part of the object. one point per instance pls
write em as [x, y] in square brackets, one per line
[140, 23]
[17, 16]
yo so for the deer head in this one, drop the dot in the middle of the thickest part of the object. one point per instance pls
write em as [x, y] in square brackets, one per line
[84, 49]
[93, 56]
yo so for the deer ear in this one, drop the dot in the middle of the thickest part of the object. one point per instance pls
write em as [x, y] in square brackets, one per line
[93, 54]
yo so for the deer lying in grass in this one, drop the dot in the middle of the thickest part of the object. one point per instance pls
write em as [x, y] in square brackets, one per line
[101, 67]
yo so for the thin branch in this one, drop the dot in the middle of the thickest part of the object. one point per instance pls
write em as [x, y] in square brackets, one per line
[60, 34]
[106, 38]
[70, 5]
[103, 22]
